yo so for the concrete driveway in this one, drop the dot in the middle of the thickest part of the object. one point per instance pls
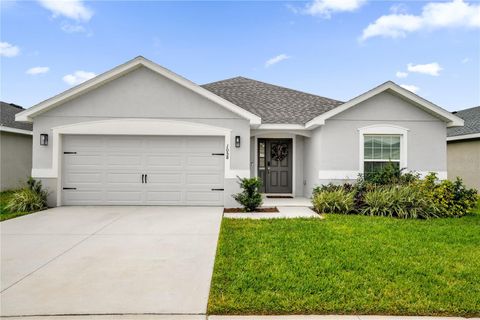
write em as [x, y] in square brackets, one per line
[109, 260]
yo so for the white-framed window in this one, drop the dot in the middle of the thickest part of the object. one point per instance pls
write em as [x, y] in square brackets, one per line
[379, 150]
[380, 145]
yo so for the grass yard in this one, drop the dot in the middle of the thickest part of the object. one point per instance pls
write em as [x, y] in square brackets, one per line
[348, 264]
[5, 214]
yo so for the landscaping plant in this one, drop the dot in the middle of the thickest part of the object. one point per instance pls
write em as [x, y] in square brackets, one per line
[392, 193]
[31, 198]
[250, 197]
[337, 200]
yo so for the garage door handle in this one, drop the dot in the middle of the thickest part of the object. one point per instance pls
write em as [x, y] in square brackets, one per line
[143, 176]
[217, 189]
[69, 188]
[218, 154]
[146, 178]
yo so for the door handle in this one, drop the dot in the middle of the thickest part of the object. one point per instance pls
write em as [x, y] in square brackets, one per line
[142, 177]
[146, 178]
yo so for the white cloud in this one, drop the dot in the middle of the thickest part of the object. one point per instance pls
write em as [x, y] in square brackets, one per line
[72, 9]
[432, 69]
[325, 8]
[410, 87]
[8, 50]
[465, 60]
[434, 15]
[78, 77]
[276, 59]
[37, 70]
[72, 28]
[401, 74]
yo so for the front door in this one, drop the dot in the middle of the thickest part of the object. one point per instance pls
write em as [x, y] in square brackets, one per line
[275, 165]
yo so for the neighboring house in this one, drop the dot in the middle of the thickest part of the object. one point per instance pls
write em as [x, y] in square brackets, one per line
[15, 148]
[140, 134]
[463, 148]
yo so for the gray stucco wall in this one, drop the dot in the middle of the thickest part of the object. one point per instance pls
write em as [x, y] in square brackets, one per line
[463, 158]
[15, 159]
[335, 145]
[142, 94]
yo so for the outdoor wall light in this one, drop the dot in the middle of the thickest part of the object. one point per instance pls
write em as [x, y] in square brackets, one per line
[237, 141]
[44, 139]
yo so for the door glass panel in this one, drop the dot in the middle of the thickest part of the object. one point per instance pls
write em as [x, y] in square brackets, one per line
[261, 154]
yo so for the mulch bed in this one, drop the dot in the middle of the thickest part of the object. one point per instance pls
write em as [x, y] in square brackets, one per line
[280, 197]
[240, 210]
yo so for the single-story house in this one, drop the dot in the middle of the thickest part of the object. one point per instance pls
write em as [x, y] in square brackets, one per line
[140, 134]
[463, 148]
[15, 148]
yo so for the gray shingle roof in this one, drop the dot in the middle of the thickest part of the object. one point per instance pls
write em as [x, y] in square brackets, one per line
[274, 104]
[472, 122]
[7, 116]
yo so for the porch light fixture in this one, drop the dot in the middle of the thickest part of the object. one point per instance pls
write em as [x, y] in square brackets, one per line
[44, 139]
[237, 141]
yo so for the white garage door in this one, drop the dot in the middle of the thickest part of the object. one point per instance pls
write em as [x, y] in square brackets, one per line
[142, 170]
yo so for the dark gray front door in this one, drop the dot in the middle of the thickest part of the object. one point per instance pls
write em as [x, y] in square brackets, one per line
[275, 165]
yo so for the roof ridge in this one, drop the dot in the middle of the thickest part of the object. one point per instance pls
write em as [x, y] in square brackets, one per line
[465, 109]
[274, 85]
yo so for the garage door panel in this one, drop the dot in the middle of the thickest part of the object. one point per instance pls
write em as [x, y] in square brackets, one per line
[164, 197]
[82, 160]
[124, 178]
[83, 177]
[165, 161]
[162, 178]
[212, 179]
[122, 159]
[201, 144]
[203, 196]
[127, 196]
[107, 170]
[83, 197]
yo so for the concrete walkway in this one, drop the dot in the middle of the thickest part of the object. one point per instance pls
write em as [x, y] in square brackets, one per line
[108, 260]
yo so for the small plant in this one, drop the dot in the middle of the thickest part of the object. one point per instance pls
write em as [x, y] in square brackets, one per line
[250, 198]
[31, 198]
[336, 200]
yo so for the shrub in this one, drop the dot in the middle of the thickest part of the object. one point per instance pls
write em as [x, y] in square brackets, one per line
[31, 198]
[398, 201]
[250, 198]
[337, 200]
[450, 198]
[391, 175]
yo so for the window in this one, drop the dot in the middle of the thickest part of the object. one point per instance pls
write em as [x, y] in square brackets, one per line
[379, 150]
[261, 154]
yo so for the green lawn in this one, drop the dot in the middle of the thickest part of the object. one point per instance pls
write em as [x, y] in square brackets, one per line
[348, 265]
[5, 214]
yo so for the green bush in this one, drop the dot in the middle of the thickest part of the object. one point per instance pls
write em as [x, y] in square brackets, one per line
[391, 175]
[250, 198]
[393, 194]
[398, 201]
[450, 198]
[337, 200]
[29, 199]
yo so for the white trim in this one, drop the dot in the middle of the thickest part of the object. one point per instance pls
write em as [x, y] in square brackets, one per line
[121, 70]
[305, 133]
[277, 135]
[451, 119]
[464, 137]
[338, 174]
[383, 129]
[281, 126]
[15, 130]
[44, 173]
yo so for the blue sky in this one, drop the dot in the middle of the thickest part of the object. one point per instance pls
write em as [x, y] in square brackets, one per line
[337, 49]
